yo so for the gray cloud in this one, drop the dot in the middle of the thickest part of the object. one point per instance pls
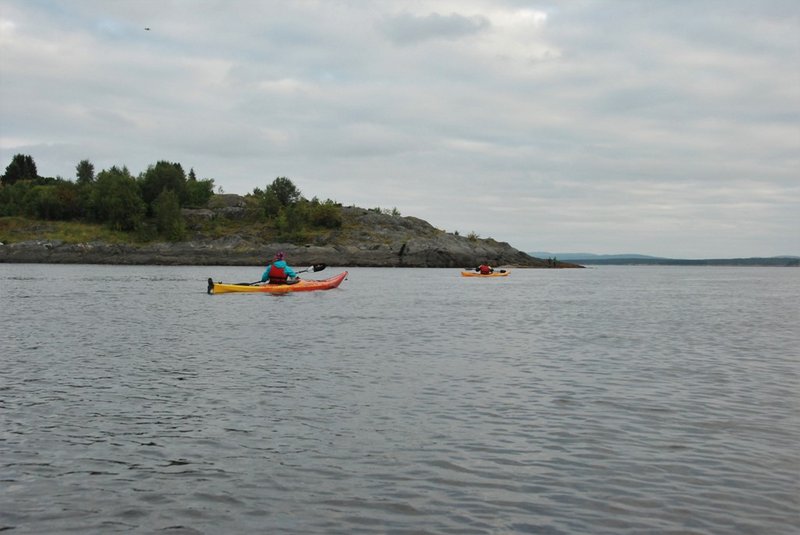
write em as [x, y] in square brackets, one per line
[661, 128]
[407, 28]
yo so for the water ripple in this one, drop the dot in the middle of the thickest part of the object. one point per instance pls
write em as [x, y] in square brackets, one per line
[630, 400]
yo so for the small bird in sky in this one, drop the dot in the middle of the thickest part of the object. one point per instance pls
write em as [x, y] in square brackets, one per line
[147, 29]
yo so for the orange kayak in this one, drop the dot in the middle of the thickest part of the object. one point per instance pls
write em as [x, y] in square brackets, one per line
[302, 286]
[500, 273]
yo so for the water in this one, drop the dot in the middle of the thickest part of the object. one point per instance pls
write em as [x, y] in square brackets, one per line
[609, 400]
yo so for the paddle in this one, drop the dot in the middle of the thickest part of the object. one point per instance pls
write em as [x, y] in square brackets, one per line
[314, 269]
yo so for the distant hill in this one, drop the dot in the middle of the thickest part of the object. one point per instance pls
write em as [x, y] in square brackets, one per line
[644, 260]
[584, 256]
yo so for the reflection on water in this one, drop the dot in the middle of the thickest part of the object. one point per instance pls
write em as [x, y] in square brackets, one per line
[610, 400]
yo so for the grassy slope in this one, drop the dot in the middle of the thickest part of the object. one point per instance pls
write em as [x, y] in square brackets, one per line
[18, 229]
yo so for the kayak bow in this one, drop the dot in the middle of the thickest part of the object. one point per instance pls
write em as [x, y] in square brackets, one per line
[302, 286]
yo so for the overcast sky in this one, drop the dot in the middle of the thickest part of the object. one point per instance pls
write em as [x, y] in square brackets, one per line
[669, 128]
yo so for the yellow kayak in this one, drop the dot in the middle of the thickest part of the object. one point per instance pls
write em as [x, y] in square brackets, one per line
[499, 273]
[302, 286]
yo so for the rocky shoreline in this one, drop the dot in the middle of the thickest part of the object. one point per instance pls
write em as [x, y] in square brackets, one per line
[370, 239]
[226, 252]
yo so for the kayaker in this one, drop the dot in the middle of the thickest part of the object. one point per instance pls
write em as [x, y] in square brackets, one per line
[485, 269]
[279, 272]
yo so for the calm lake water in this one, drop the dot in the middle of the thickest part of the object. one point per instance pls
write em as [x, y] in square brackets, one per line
[609, 400]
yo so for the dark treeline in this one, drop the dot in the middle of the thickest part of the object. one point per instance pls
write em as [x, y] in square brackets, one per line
[149, 205]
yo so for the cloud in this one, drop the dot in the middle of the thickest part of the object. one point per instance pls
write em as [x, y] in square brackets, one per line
[406, 28]
[666, 128]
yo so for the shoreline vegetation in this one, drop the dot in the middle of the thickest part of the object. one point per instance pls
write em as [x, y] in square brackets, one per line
[167, 217]
[366, 239]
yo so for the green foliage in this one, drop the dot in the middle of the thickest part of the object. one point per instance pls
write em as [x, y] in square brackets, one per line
[254, 208]
[473, 236]
[55, 199]
[17, 229]
[268, 201]
[292, 220]
[12, 198]
[271, 204]
[284, 191]
[325, 215]
[198, 192]
[280, 194]
[385, 211]
[167, 212]
[84, 172]
[115, 198]
[22, 167]
[163, 175]
[41, 202]
[47, 180]
[298, 221]
[60, 201]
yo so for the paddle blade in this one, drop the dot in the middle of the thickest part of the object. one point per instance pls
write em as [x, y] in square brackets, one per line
[314, 268]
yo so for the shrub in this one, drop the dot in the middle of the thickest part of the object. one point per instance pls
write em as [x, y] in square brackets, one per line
[326, 215]
[12, 198]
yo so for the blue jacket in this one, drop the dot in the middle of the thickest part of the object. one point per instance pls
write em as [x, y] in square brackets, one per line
[278, 264]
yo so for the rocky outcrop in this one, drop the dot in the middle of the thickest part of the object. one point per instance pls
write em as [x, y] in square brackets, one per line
[367, 238]
[395, 241]
[228, 205]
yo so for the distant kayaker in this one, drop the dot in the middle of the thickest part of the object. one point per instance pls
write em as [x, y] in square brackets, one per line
[485, 269]
[279, 272]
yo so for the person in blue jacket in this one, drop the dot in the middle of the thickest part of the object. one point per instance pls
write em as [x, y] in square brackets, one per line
[279, 272]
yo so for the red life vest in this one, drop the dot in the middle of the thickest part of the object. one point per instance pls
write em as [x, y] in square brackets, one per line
[485, 270]
[277, 275]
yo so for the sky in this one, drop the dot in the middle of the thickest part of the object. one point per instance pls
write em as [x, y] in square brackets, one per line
[669, 128]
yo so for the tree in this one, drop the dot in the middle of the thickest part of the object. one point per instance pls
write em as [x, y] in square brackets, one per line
[22, 167]
[198, 192]
[116, 199]
[167, 211]
[84, 172]
[270, 203]
[284, 190]
[163, 175]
